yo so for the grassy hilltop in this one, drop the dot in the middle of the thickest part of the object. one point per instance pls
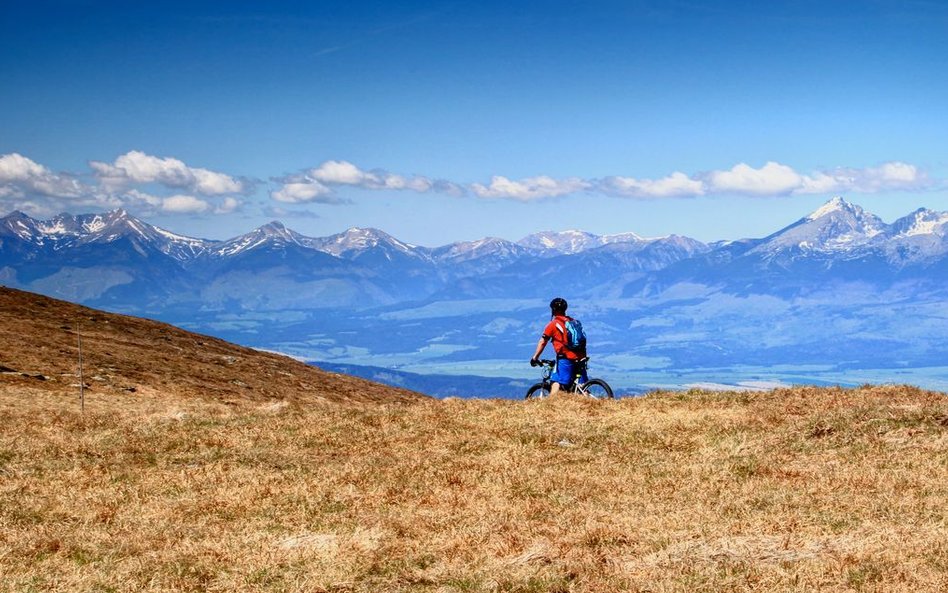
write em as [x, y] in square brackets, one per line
[795, 490]
[199, 465]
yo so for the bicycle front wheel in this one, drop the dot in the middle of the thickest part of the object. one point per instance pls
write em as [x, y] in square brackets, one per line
[597, 388]
[538, 390]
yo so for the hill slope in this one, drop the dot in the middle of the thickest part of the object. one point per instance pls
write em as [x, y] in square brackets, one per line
[129, 357]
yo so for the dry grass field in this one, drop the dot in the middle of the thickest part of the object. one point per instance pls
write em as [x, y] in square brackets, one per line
[198, 465]
[794, 490]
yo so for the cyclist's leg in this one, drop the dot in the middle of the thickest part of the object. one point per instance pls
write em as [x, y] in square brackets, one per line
[562, 375]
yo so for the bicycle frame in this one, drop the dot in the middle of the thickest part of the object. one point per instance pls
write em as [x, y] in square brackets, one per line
[549, 365]
[596, 388]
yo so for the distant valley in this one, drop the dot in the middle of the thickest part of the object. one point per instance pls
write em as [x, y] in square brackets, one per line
[838, 296]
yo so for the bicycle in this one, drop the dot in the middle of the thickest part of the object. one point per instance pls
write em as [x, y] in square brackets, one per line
[595, 388]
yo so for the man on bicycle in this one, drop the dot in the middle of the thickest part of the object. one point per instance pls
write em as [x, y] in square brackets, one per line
[569, 362]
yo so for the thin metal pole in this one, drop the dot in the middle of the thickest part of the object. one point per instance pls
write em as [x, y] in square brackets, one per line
[82, 387]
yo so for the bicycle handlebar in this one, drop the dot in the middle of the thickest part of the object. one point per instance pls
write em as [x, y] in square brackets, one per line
[552, 363]
[544, 362]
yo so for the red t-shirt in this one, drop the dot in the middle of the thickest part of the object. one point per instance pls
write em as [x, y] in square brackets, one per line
[556, 330]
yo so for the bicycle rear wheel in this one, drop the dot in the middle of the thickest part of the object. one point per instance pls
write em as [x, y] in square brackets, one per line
[597, 388]
[538, 390]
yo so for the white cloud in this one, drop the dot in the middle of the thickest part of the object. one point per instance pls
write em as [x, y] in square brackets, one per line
[147, 204]
[29, 186]
[228, 205]
[35, 209]
[676, 185]
[417, 184]
[16, 167]
[774, 179]
[891, 176]
[182, 204]
[443, 186]
[317, 184]
[823, 183]
[149, 184]
[332, 173]
[531, 188]
[210, 183]
[886, 177]
[278, 212]
[137, 167]
[141, 199]
[339, 173]
[21, 177]
[770, 180]
[300, 190]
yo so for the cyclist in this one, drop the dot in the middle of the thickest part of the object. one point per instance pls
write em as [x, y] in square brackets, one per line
[568, 362]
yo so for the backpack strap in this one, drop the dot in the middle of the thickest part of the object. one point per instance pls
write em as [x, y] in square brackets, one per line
[561, 327]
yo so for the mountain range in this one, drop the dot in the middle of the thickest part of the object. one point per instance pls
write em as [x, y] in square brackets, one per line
[839, 289]
[117, 260]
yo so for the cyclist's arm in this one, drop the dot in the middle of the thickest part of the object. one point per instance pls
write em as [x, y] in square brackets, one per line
[540, 346]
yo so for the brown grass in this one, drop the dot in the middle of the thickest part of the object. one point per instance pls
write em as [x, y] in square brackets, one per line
[803, 489]
[125, 356]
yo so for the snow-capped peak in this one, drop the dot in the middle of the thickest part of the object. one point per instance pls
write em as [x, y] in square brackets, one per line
[359, 239]
[922, 222]
[837, 204]
[844, 214]
[847, 213]
[274, 232]
[109, 224]
[492, 247]
[836, 226]
[66, 230]
[20, 225]
[275, 228]
[571, 241]
[622, 238]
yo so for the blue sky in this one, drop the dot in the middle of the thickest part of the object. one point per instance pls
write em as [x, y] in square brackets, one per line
[442, 121]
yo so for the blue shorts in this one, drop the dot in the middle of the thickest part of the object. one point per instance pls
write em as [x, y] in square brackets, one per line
[566, 369]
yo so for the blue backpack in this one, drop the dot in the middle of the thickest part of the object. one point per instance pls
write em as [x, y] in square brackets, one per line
[575, 336]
